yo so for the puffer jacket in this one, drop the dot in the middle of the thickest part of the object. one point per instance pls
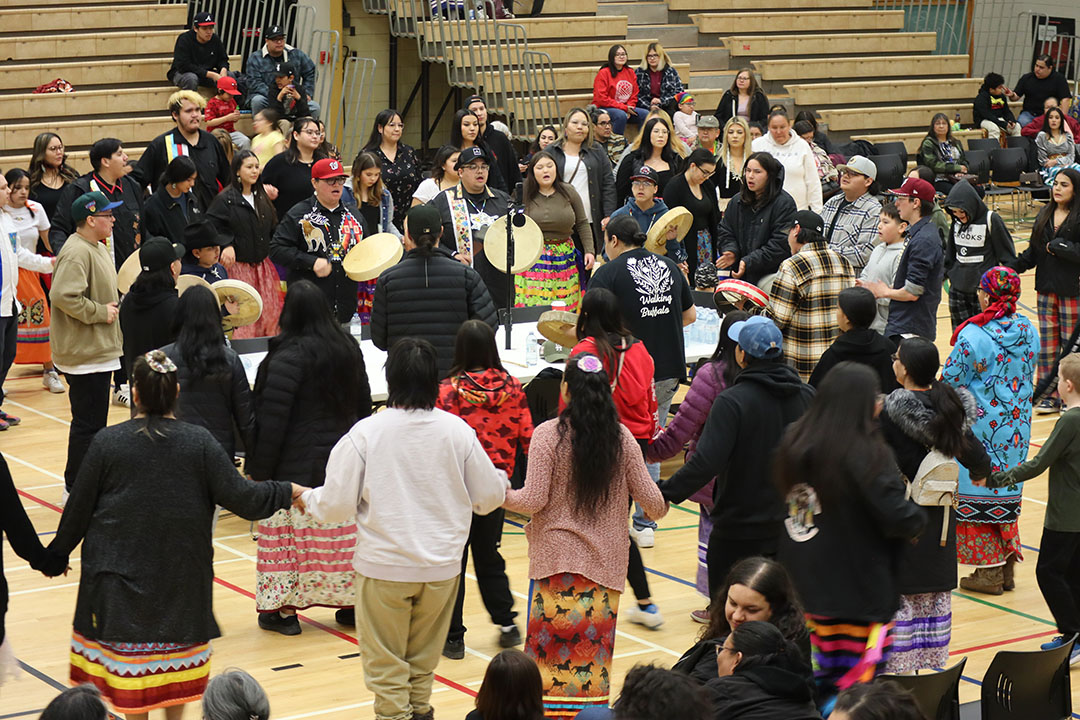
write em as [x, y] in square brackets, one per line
[428, 297]
[601, 183]
[493, 403]
[685, 428]
[927, 566]
[245, 228]
[296, 429]
[757, 235]
[221, 402]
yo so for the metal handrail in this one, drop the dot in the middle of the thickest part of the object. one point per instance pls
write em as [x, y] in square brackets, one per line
[347, 127]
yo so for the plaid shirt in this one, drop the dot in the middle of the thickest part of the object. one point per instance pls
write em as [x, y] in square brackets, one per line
[854, 229]
[803, 300]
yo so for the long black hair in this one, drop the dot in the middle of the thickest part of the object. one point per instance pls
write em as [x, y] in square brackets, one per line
[667, 153]
[474, 347]
[152, 281]
[948, 133]
[610, 65]
[769, 579]
[530, 188]
[593, 421]
[600, 318]
[262, 201]
[384, 118]
[308, 323]
[921, 360]
[1071, 226]
[762, 644]
[455, 130]
[512, 688]
[441, 156]
[838, 436]
[199, 337]
[292, 153]
[725, 347]
[773, 187]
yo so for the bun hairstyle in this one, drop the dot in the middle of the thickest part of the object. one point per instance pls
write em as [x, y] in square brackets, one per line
[156, 387]
[921, 360]
[235, 695]
[627, 230]
[590, 423]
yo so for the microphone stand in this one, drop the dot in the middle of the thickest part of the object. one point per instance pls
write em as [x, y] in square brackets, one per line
[515, 215]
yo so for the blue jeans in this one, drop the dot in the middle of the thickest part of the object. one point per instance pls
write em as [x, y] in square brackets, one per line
[665, 393]
[1025, 118]
[619, 118]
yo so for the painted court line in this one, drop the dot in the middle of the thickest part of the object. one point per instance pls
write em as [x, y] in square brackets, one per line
[34, 467]
[46, 415]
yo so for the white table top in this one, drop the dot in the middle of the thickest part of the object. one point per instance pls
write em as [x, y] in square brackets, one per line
[513, 359]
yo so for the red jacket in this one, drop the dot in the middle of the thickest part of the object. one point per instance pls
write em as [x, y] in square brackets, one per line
[1034, 127]
[494, 405]
[216, 108]
[619, 92]
[635, 396]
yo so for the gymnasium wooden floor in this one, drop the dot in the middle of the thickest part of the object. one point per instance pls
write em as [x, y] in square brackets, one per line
[318, 674]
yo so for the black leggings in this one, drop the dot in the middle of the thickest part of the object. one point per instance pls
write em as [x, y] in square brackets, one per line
[635, 570]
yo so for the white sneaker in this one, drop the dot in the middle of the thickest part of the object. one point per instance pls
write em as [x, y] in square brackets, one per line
[645, 537]
[649, 616]
[51, 382]
[63, 498]
[122, 396]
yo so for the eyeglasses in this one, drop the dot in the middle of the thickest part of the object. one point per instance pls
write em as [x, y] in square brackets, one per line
[476, 168]
[313, 133]
[706, 173]
[652, 55]
[620, 54]
[895, 357]
[721, 649]
[396, 125]
[55, 148]
[334, 181]
[642, 184]
[852, 173]
[604, 123]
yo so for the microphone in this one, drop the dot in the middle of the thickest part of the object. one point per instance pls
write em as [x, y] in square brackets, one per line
[518, 212]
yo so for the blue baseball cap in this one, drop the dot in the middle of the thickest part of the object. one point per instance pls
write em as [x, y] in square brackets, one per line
[758, 336]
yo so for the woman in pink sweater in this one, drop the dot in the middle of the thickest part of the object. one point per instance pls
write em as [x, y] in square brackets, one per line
[577, 488]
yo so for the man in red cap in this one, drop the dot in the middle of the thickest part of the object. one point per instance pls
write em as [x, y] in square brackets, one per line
[916, 289]
[221, 111]
[199, 57]
[314, 236]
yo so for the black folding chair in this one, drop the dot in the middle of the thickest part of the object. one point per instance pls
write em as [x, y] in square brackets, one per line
[890, 170]
[987, 144]
[1006, 167]
[937, 693]
[1028, 685]
[1028, 145]
[893, 148]
[979, 164]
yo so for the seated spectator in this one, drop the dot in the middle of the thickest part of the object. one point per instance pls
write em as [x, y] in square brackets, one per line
[221, 111]
[189, 140]
[443, 176]
[656, 150]
[978, 240]
[744, 99]
[654, 693]
[756, 588]
[761, 674]
[269, 140]
[943, 154]
[644, 207]
[884, 259]
[615, 89]
[757, 129]
[851, 216]
[940, 218]
[199, 57]
[680, 148]
[173, 205]
[512, 689]
[856, 310]
[658, 81]
[820, 137]
[804, 293]
[1055, 146]
[605, 136]
[1041, 83]
[287, 100]
[882, 700]
[262, 66]
[800, 171]
[235, 695]
[734, 150]
[991, 109]
[827, 172]
[708, 135]
[82, 702]
[1031, 130]
[685, 118]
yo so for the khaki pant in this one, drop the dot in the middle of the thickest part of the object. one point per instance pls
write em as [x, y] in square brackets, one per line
[401, 628]
[994, 130]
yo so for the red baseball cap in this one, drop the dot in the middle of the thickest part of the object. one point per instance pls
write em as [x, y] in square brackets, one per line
[328, 168]
[227, 84]
[917, 188]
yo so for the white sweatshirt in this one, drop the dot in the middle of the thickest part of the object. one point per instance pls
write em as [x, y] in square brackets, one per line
[801, 179]
[12, 257]
[412, 480]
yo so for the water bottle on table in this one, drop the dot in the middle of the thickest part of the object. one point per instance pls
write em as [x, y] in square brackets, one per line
[532, 350]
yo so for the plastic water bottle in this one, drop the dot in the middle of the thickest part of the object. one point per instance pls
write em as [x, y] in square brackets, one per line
[686, 334]
[532, 350]
[714, 326]
[355, 325]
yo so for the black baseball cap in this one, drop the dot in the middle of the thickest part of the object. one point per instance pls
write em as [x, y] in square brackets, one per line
[423, 220]
[646, 173]
[158, 253]
[469, 155]
[284, 70]
[810, 220]
[274, 31]
[203, 18]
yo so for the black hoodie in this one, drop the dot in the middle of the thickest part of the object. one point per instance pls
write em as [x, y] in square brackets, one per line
[146, 320]
[864, 346]
[765, 692]
[973, 248]
[991, 107]
[736, 447]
